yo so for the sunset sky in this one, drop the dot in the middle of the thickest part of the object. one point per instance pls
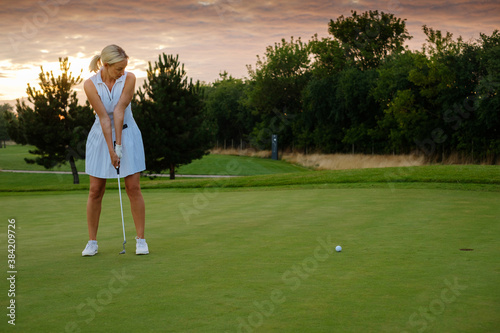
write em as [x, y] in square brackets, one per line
[210, 36]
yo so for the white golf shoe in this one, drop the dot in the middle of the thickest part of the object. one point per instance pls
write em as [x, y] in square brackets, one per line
[141, 247]
[90, 249]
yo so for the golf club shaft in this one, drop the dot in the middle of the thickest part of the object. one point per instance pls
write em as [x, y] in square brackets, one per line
[121, 205]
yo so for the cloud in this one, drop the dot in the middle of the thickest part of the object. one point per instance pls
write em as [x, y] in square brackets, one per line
[209, 35]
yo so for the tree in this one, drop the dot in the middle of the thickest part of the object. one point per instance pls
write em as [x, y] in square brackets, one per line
[275, 89]
[396, 94]
[329, 57]
[370, 37]
[225, 105]
[169, 111]
[487, 101]
[320, 126]
[339, 110]
[445, 80]
[357, 106]
[55, 123]
[4, 135]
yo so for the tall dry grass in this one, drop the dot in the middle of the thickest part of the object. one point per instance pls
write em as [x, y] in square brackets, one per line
[333, 161]
[242, 152]
[353, 161]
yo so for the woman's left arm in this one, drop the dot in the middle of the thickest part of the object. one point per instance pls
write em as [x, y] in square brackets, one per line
[123, 102]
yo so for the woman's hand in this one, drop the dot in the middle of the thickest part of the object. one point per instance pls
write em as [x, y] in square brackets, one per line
[115, 160]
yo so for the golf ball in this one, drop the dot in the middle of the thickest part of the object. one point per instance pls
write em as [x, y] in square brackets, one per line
[338, 248]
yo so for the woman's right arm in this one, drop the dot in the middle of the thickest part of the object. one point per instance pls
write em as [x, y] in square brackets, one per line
[95, 101]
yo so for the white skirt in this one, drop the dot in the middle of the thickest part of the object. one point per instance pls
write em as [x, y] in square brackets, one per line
[97, 159]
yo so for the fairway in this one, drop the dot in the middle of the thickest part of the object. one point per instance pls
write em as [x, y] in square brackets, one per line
[260, 260]
[12, 158]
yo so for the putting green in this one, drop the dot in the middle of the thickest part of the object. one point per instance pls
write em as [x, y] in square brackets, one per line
[260, 260]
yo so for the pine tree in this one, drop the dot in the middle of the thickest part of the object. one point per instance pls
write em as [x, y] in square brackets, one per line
[4, 135]
[54, 122]
[169, 112]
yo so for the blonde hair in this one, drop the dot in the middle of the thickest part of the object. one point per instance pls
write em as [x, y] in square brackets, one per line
[111, 54]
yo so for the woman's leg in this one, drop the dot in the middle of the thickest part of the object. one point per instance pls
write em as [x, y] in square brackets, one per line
[133, 188]
[96, 192]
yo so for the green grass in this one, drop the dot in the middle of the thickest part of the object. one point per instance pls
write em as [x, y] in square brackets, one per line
[12, 158]
[237, 166]
[248, 254]
[463, 177]
[220, 259]
[264, 173]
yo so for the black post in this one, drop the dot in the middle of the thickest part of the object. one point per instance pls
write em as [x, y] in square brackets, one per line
[275, 147]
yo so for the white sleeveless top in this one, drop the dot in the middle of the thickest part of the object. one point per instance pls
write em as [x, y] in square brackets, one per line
[97, 160]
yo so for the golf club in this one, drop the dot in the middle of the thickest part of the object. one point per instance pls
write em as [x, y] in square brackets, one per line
[121, 207]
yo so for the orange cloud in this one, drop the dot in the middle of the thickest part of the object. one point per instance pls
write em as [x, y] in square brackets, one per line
[210, 36]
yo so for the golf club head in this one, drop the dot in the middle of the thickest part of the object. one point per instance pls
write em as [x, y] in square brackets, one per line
[124, 242]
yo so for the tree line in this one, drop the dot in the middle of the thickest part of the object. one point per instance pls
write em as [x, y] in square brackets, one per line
[361, 90]
[357, 90]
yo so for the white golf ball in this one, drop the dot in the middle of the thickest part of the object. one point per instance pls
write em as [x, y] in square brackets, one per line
[338, 248]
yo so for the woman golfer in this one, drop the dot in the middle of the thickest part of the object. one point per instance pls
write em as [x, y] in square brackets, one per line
[114, 141]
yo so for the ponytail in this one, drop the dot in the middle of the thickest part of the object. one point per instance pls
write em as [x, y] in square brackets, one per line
[109, 55]
[95, 64]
